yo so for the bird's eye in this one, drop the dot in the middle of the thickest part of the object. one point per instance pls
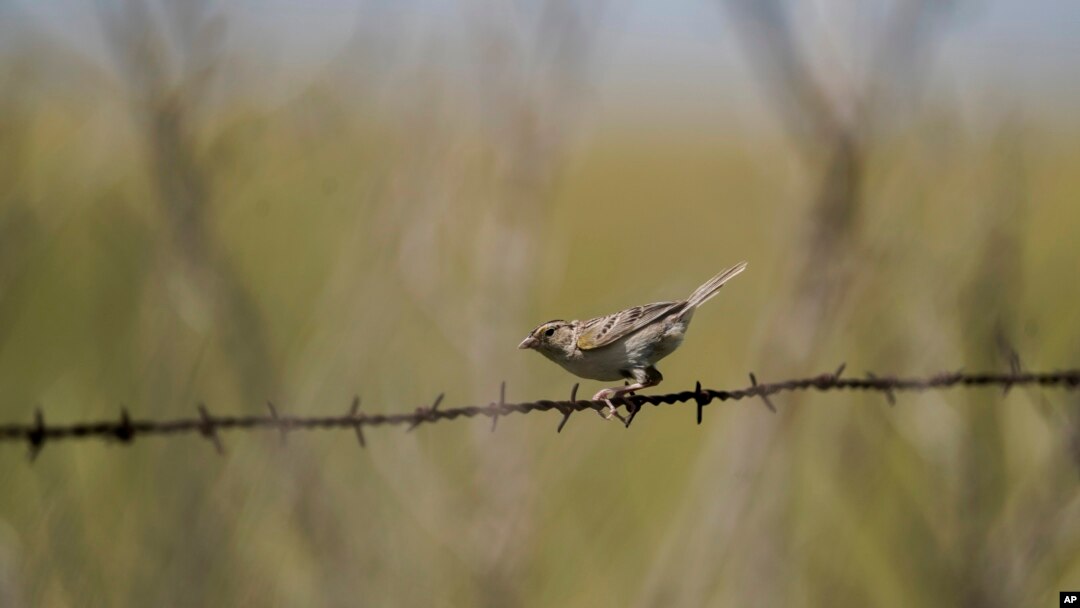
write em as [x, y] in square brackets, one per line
[549, 332]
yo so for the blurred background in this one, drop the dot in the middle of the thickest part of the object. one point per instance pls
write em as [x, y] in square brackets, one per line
[246, 200]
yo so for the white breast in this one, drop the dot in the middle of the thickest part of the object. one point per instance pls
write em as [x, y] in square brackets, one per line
[636, 351]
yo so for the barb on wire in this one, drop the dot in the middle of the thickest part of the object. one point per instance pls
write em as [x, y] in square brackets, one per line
[426, 414]
[277, 419]
[763, 393]
[702, 400]
[568, 410]
[126, 430]
[888, 392]
[36, 434]
[633, 407]
[208, 428]
[357, 421]
[496, 410]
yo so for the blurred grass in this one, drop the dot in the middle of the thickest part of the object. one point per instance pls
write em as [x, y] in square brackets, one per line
[311, 203]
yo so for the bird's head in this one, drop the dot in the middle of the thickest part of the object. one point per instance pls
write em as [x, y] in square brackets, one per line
[551, 338]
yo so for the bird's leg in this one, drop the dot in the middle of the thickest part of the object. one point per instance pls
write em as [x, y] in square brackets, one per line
[648, 377]
[605, 395]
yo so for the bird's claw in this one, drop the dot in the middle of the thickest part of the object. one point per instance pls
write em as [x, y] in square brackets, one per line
[605, 395]
[611, 412]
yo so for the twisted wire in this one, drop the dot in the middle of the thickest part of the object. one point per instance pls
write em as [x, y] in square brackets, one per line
[125, 429]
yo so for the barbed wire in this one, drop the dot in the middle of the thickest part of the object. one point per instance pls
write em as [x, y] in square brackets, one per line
[125, 430]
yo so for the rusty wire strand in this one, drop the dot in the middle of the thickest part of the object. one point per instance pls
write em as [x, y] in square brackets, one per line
[126, 430]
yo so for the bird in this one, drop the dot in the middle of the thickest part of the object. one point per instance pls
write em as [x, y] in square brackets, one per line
[624, 345]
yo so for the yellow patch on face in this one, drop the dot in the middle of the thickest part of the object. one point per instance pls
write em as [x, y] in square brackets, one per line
[548, 329]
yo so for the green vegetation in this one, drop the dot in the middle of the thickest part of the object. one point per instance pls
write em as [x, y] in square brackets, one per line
[329, 247]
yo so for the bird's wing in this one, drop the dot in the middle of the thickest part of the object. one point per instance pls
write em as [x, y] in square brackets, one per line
[605, 330]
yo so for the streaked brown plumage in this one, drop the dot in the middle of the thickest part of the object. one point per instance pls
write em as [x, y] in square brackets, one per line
[626, 344]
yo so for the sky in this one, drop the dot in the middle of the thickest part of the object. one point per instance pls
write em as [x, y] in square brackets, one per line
[679, 56]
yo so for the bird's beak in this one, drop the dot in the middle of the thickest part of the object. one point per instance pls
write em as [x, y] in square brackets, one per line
[529, 342]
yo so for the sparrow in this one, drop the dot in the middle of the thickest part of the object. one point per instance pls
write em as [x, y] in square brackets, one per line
[624, 345]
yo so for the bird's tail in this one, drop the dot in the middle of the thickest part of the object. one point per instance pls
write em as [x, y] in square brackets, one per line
[709, 288]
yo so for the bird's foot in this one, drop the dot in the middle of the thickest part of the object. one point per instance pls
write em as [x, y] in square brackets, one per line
[605, 395]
